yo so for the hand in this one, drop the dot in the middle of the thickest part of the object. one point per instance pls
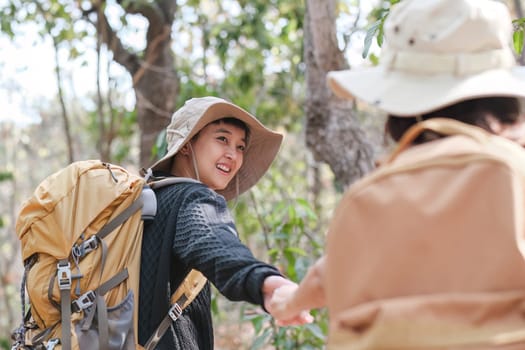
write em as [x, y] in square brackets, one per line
[278, 293]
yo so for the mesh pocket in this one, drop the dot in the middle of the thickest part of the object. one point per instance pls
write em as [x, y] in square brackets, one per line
[120, 323]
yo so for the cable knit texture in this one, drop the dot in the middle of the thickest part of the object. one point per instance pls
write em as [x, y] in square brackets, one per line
[204, 238]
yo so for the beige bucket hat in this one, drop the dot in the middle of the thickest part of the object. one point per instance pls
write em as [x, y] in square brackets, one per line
[196, 113]
[436, 53]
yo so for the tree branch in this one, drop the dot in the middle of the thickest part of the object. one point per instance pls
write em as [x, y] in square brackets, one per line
[121, 55]
[152, 11]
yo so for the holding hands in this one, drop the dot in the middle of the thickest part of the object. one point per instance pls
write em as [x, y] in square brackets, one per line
[283, 309]
[278, 293]
[289, 303]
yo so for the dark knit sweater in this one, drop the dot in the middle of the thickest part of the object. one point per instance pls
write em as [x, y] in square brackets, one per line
[204, 238]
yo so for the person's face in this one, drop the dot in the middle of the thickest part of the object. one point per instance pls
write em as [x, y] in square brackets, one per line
[219, 151]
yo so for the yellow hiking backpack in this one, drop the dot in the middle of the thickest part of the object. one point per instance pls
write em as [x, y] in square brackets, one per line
[81, 235]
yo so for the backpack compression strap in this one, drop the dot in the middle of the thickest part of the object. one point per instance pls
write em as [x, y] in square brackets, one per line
[183, 296]
[64, 283]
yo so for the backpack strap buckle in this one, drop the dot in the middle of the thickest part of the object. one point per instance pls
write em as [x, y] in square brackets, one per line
[64, 275]
[84, 301]
[175, 312]
[51, 344]
[90, 244]
[82, 249]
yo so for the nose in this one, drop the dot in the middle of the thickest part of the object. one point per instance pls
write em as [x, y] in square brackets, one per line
[230, 153]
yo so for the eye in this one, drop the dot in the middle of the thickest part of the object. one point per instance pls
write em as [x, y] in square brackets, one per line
[241, 148]
[222, 138]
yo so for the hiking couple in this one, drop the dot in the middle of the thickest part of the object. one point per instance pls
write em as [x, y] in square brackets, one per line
[424, 253]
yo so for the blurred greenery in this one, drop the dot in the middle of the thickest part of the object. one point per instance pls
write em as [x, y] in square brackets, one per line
[5, 344]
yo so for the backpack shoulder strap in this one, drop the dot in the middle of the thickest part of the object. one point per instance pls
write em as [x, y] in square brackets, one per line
[167, 181]
[183, 296]
[149, 209]
[444, 126]
[190, 286]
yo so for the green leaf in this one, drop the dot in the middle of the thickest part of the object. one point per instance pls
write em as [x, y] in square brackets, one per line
[261, 340]
[316, 331]
[295, 250]
[305, 205]
[517, 40]
[370, 34]
[6, 175]
[258, 323]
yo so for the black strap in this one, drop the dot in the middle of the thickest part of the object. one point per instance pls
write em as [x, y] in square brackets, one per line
[160, 305]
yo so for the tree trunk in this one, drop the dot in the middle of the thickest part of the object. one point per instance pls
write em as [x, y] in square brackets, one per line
[156, 90]
[333, 135]
[154, 76]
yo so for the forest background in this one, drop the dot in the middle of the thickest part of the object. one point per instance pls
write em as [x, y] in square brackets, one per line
[122, 67]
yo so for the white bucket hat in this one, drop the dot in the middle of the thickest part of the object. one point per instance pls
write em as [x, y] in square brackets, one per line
[437, 53]
[196, 113]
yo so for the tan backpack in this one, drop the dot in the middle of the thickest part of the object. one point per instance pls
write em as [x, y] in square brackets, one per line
[427, 251]
[81, 234]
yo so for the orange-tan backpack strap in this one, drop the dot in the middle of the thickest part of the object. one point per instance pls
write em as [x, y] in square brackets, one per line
[444, 126]
[183, 296]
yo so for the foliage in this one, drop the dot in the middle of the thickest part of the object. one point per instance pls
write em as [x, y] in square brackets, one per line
[278, 220]
[518, 35]
[5, 344]
[122, 126]
[377, 17]
[255, 52]
[55, 18]
[6, 175]
[289, 239]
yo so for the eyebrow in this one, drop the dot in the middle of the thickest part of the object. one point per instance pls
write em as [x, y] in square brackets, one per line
[226, 131]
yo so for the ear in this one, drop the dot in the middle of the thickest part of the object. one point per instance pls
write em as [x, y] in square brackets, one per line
[185, 150]
[494, 124]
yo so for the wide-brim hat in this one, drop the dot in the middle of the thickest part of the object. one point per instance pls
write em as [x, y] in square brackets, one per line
[437, 53]
[187, 121]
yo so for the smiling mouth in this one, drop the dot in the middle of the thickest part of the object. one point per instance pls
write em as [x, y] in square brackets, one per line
[223, 168]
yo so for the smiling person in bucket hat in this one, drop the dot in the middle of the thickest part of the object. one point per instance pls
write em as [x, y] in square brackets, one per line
[196, 113]
[227, 150]
[427, 252]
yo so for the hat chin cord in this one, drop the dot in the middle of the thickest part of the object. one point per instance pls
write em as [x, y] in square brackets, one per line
[194, 163]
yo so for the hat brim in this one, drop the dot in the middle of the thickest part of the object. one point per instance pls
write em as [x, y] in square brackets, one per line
[404, 94]
[263, 146]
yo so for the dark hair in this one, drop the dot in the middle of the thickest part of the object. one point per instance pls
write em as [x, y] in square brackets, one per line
[474, 112]
[231, 121]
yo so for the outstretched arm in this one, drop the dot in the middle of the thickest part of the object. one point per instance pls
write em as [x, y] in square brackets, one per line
[290, 301]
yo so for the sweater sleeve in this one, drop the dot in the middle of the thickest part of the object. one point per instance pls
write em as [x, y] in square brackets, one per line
[206, 240]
